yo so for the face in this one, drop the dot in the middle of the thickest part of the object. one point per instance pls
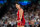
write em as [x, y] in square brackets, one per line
[17, 6]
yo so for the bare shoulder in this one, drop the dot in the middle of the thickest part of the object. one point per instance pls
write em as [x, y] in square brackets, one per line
[22, 10]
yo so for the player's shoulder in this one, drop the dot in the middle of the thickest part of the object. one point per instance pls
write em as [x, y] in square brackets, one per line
[21, 9]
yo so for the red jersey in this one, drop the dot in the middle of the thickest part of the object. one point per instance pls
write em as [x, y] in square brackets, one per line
[23, 20]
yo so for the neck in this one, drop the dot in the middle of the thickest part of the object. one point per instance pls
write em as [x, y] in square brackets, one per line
[19, 8]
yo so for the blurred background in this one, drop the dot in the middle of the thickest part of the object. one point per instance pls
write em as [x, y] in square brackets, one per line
[8, 13]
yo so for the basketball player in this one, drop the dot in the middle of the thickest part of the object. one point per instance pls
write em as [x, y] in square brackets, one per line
[20, 16]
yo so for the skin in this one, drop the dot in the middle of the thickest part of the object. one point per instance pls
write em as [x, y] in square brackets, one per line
[20, 13]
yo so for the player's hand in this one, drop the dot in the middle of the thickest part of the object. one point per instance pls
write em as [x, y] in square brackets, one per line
[19, 20]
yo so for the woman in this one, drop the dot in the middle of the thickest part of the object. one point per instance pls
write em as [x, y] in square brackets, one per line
[20, 16]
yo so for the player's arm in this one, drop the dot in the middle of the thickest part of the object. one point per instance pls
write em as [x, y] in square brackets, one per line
[20, 14]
